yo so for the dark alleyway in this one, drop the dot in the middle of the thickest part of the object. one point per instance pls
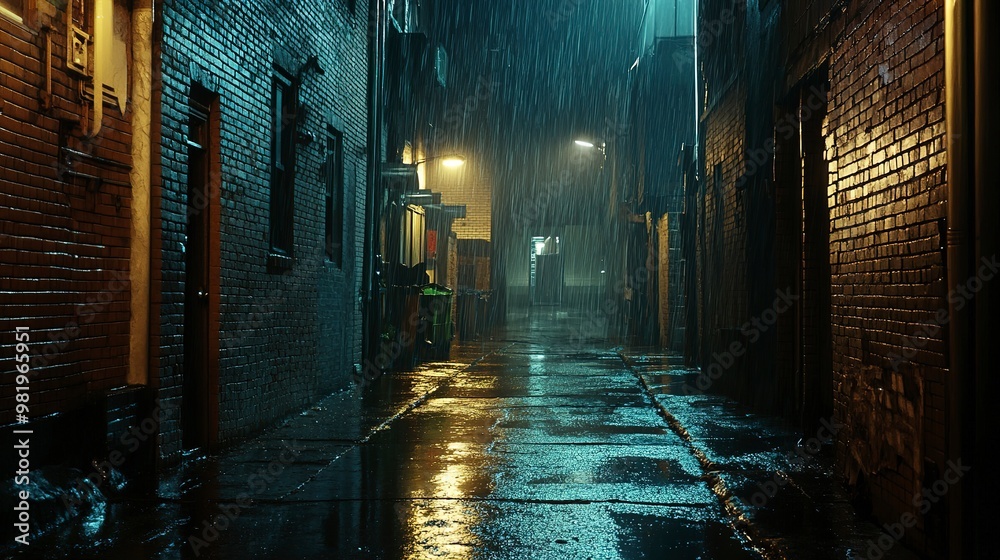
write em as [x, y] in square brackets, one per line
[530, 446]
[706, 279]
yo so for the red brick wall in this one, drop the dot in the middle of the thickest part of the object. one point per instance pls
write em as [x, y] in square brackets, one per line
[884, 136]
[886, 146]
[64, 249]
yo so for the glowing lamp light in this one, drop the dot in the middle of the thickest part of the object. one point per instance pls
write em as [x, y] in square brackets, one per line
[584, 143]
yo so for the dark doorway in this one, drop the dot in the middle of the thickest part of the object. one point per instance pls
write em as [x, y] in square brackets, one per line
[803, 361]
[547, 271]
[201, 290]
[815, 335]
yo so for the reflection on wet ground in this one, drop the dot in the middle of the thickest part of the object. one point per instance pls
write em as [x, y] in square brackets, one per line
[530, 445]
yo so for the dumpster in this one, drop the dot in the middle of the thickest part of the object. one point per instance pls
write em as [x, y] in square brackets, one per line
[435, 315]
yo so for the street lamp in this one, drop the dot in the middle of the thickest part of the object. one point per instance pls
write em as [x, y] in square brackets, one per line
[451, 161]
[588, 144]
[447, 160]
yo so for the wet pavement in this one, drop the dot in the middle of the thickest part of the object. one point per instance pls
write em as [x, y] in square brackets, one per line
[532, 445]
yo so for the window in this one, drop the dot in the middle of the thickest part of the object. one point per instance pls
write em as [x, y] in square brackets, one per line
[12, 8]
[335, 196]
[283, 104]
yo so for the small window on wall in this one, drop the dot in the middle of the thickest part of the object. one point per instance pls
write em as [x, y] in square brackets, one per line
[283, 105]
[13, 9]
[335, 196]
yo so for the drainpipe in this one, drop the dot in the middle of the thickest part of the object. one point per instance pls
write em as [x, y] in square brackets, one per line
[104, 22]
[140, 177]
[960, 136]
[369, 283]
[981, 508]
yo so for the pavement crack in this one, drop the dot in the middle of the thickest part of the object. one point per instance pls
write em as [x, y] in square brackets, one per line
[477, 499]
[741, 523]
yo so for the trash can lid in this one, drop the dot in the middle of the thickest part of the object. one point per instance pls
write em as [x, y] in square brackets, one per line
[435, 290]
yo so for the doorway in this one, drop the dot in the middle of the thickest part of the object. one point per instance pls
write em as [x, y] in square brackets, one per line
[547, 270]
[814, 316]
[201, 289]
[804, 339]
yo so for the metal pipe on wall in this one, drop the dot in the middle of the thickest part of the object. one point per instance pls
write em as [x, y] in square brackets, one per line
[959, 265]
[104, 22]
[987, 308]
[373, 200]
[141, 179]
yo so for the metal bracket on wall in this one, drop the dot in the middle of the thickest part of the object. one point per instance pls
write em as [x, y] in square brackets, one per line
[71, 156]
[93, 183]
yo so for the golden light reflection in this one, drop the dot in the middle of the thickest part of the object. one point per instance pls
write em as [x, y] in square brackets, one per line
[444, 527]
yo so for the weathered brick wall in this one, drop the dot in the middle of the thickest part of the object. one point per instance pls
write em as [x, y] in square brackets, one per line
[287, 337]
[884, 135]
[472, 186]
[725, 233]
[884, 138]
[723, 135]
[663, 270]
[886, 146]
[64, 249]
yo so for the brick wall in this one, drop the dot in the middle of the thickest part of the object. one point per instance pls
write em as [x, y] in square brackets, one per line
[472, 186]
[886, 146]
[64, 247]
[663, 270]
[288, 336]
[724, 223]
[883, 144]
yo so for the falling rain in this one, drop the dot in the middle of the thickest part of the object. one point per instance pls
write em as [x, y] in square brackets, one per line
[413, 279]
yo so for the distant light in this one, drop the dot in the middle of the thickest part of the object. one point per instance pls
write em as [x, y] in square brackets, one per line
[602, 272]
[453, 161]
[584, 143]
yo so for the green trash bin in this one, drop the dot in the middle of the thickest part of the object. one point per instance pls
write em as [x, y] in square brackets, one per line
[435, 312]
